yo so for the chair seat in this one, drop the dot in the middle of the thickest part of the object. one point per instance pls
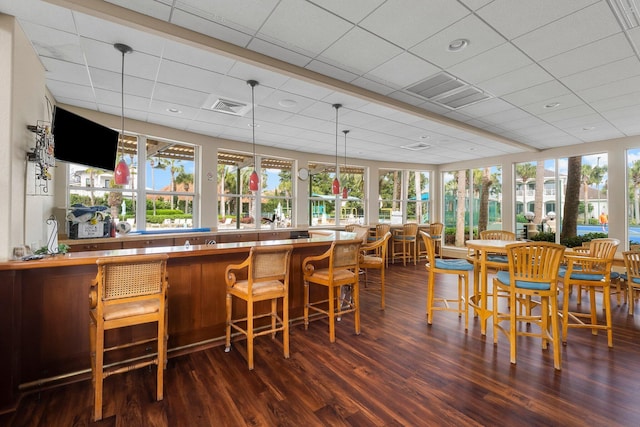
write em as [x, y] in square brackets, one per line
[371, 260]
[497, 258]
[453, 264]
[338, 275]
[259, 288]
[504, 277]
[129, 309]
[580, 276]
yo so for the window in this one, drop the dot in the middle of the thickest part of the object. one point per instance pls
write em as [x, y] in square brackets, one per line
[404, 196]
[170, 184]
[455, 193]
[237, 207]
[326, 208]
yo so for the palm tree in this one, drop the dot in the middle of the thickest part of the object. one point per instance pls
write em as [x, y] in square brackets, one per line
[539, 197]
[186, 179]
[634, 179]
[483, 180]
[572, 198]
[589, 175]
[461, 208]
[525, 171]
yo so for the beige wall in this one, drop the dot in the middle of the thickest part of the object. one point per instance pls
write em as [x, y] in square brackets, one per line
[22, 102]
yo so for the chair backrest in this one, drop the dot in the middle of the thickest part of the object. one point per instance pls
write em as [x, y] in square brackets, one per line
[435, 229]
[497, 235]
[535, 262]
[362, 232]
[344, 255]
[269, 262]
[603, 248]
[382, 229]
[410, 229]
[632, 264]
[124, 277]
[430, 245]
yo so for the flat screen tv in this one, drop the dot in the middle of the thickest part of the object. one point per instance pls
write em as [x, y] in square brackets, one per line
[82, 141]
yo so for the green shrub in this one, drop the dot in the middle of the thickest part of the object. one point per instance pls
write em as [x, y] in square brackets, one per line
[570, 242]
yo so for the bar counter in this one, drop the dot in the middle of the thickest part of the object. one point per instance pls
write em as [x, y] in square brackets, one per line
[44, 308]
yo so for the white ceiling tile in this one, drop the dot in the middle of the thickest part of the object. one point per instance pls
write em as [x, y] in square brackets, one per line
[177, 74]
[541, 107]
[331, 71]
[89, 105]
[537, 93]
[617, 102]
[373, 86]
[514, 18]
[110, 80]
[408, 22]
[516, 80]
[178, 95]
[162, 108]
[360, 50]
[105, 56]
[244, 13]
[475, 4]
[156, 9]
[194, 57]
[403, 70]
[600, 52]
[484, 108]
[352, 10]
[70, 90]
[585, 26]
[66, 71]
[608, 90]
[314, 34]
[44, 14]
[278, 52]
[619, 70]
[210, 28]
[495, 62]
[266, 78]
[54, 44]
[481, 38]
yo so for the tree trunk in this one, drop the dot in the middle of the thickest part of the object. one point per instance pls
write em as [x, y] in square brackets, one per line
[572, 198]
[483, 215]
[539, 197]
[461, 208]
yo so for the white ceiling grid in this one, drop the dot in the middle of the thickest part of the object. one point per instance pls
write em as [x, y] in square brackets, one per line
[526, 55]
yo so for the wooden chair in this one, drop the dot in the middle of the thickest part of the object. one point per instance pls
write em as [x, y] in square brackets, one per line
[267, 279]
[617, 279]
[127, 291]
[378, 233]
[436, 233]
[404, 243]
[342, 270]
[533, 272]
[362, 232]
[374, 256]
[494, 261]
[460, 268]
[632, 275]
[593, 272]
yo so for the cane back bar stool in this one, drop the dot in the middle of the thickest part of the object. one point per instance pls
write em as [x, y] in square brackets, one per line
[127, 291]
[374, 257]
[404, 243]
[267, 272]
[343, 270]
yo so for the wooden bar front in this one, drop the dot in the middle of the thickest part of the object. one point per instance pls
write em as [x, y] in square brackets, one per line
[44, 314]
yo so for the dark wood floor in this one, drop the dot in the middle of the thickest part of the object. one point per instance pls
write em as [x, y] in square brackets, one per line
[399, 371]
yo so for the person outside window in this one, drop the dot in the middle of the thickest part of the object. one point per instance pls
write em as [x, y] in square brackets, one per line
[604, 220]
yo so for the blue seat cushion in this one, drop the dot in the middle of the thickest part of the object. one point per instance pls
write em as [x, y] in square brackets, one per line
[504, 277]
[580, 276]
[498, 258]
[453, 264]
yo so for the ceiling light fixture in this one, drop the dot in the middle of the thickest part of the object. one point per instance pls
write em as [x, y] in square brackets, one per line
[335, 188]
[345, 190]
[253, 179]
[552, 105]
[458, 45]
[122, 173]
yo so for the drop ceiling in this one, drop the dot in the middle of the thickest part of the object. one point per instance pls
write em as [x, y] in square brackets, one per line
[533, 74]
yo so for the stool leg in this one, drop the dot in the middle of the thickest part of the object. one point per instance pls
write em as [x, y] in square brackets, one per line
[250, 334]
[161, 359]
[99, 373]
[285, 325]
[228, 341]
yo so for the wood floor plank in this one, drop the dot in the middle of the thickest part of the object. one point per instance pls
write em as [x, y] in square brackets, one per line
[398, 372]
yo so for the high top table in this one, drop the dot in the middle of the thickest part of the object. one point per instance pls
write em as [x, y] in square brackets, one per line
[479, 300]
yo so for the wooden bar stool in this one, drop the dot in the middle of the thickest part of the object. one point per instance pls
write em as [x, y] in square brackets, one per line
[404, 243]
[267, 272]
[128, 290]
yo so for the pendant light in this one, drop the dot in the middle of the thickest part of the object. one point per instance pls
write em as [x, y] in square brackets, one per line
[345, 190]
[335, 188]
[253, 179]
[121, 172]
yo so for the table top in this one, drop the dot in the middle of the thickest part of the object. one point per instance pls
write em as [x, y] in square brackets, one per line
[489, 244]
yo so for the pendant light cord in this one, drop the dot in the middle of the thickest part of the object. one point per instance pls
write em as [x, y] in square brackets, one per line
[337, 106]
[124, 49]
[253, 123]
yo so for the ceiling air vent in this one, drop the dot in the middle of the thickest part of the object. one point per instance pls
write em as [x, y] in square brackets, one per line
[416, 147]
[227, 106]
[448, 91]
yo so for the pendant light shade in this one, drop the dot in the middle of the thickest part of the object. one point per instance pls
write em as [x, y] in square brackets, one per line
[335, 188]
[254, 180]
[121, 172]
[345, 190]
